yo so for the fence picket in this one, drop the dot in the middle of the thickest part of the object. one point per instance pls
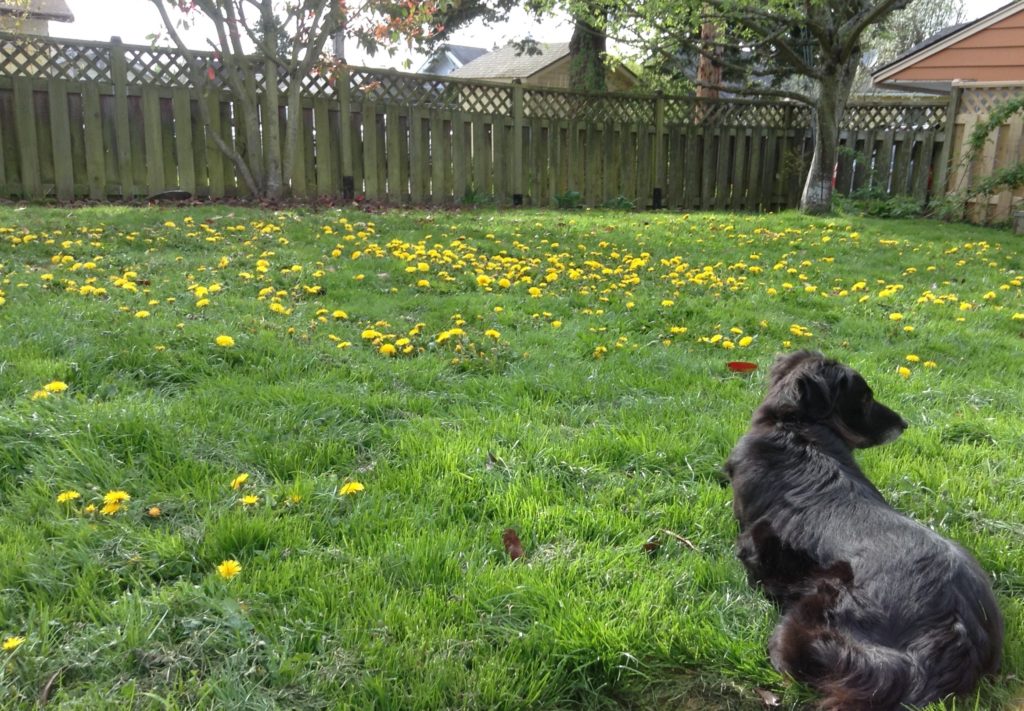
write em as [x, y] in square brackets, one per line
[95, 160]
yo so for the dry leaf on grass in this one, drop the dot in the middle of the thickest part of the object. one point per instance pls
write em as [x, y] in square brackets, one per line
[512, 544]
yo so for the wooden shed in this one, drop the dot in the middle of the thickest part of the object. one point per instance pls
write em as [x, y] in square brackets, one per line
[979, 64]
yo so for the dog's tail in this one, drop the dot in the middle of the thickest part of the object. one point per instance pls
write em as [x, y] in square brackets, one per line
[851, 675]
[858, 675]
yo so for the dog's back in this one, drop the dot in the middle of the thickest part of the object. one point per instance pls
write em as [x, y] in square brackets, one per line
[878, 610]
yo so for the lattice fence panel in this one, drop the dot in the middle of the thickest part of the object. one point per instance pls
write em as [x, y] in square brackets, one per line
[557, 105]
[746, 114]
[163, 67]
[420, 92]
[895, 117]
[43, 58]
[981, 101]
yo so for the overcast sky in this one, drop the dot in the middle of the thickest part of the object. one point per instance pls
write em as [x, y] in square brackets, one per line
[133, 20]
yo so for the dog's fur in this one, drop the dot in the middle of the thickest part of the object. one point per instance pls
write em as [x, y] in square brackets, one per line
[878, 611]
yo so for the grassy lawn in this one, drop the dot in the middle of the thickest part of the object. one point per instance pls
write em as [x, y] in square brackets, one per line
[562, 374]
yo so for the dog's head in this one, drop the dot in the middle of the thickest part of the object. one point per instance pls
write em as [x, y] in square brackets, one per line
[808, 387]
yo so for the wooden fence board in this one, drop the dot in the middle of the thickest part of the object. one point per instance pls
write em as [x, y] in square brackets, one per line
[323, 149]
[721, 199]
[181, 106]
[460, 157]
[500, 135]
[95, 154]
[214, 156]
[755, 177]
[739, 159]
[6, 121]
[76, 127]
[709, 168]
[435, 147]
[153, 133]
[27, 138]
[371, 138]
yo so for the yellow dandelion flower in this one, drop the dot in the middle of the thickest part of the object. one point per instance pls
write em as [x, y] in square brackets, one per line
[153, 512]
[12, 643]
[1017, 317]
[239, 481]
[40, 394]
[142, 314]
[339, 315]
[116, 496]
[56, 386]
[492, 333]
[930, 364]
[110, 509]
[667, 302]
[224, 341]
[745, 341]
[68, 496]
[250, 500]
[229, 569]
[896, 316]
[911, 358]
[388, 350]
[352, 487]
[90, 509]
[903, 371]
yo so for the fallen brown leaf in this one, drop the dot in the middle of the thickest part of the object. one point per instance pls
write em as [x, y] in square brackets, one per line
[512, 544]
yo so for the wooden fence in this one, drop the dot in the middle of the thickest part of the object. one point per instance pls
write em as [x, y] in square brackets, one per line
[971, 103]
[109, 120]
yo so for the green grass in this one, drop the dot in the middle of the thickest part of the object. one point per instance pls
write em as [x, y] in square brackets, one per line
[587, 425]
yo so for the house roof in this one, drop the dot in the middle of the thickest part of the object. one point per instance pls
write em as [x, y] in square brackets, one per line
[456, 55]
[941, 40]
[56, 10]
[464, 53]
[505, 63]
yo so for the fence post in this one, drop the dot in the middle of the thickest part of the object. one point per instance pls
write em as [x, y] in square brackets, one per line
[946, 156]
[517, 142]
[660, 169]
[122, 131]
[348, 181]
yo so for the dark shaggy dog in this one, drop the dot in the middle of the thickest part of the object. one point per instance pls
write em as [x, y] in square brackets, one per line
[878, 611]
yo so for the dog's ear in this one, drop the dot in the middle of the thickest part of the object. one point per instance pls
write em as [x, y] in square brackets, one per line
[806, 384]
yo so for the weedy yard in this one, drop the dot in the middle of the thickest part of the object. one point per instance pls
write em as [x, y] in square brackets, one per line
[266, 460]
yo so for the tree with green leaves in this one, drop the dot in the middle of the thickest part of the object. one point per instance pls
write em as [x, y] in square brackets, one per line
[277, 44]
[806, 51]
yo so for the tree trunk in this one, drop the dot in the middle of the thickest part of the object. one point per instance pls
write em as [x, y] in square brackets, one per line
[709, 71]
[834, 90]
[586, 52]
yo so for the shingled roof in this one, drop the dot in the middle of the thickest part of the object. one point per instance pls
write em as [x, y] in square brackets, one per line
[505, 63]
